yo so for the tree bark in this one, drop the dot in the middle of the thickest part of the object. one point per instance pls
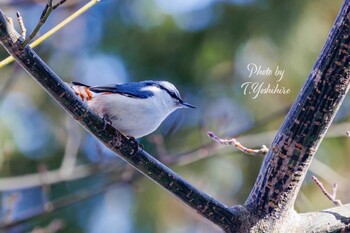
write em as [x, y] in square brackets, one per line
[297, 141]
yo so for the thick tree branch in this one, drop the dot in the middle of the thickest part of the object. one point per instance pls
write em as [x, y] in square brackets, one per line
[297, 141]
[330, 220]
[129, 150]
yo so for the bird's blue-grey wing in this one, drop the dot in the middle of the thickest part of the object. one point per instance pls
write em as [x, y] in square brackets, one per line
[133, 89]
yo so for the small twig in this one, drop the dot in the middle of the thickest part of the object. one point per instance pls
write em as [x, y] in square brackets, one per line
[207, 150]
[58, 204]
[58, 4]
[58, 27]
[9, 203]
[71, 149]
[45, 186]
[54, 226]
[47, 6]
[9, 20]
[21, 25]
[261, 152]
[331, 197]
[44, 16]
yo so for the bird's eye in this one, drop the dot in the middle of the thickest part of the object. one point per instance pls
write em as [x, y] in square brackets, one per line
[172, 94]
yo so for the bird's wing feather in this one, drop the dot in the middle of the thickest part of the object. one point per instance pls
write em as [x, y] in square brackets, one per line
[133, 90]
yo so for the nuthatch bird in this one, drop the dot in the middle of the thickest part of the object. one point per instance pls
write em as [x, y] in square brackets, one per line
[135, 109]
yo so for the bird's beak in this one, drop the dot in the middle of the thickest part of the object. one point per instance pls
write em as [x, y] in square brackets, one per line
[187, 105]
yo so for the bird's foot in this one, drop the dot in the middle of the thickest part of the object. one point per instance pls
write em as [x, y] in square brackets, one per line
[106, 121]
[136, 144]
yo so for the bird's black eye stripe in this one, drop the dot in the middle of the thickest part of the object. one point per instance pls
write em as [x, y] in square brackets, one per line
[172, 94]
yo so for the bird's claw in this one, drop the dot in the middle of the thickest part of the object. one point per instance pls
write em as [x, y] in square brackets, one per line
[106, 121]
[135, 143]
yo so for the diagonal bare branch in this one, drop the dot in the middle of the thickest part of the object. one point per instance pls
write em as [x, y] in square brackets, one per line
[127, 149]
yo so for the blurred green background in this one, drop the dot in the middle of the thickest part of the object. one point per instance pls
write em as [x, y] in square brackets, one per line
[204, 48]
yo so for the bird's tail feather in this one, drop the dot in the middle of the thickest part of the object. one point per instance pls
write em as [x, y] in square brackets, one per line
[81, 90]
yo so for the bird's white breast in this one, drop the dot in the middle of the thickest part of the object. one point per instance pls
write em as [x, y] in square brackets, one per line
[131, 116]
